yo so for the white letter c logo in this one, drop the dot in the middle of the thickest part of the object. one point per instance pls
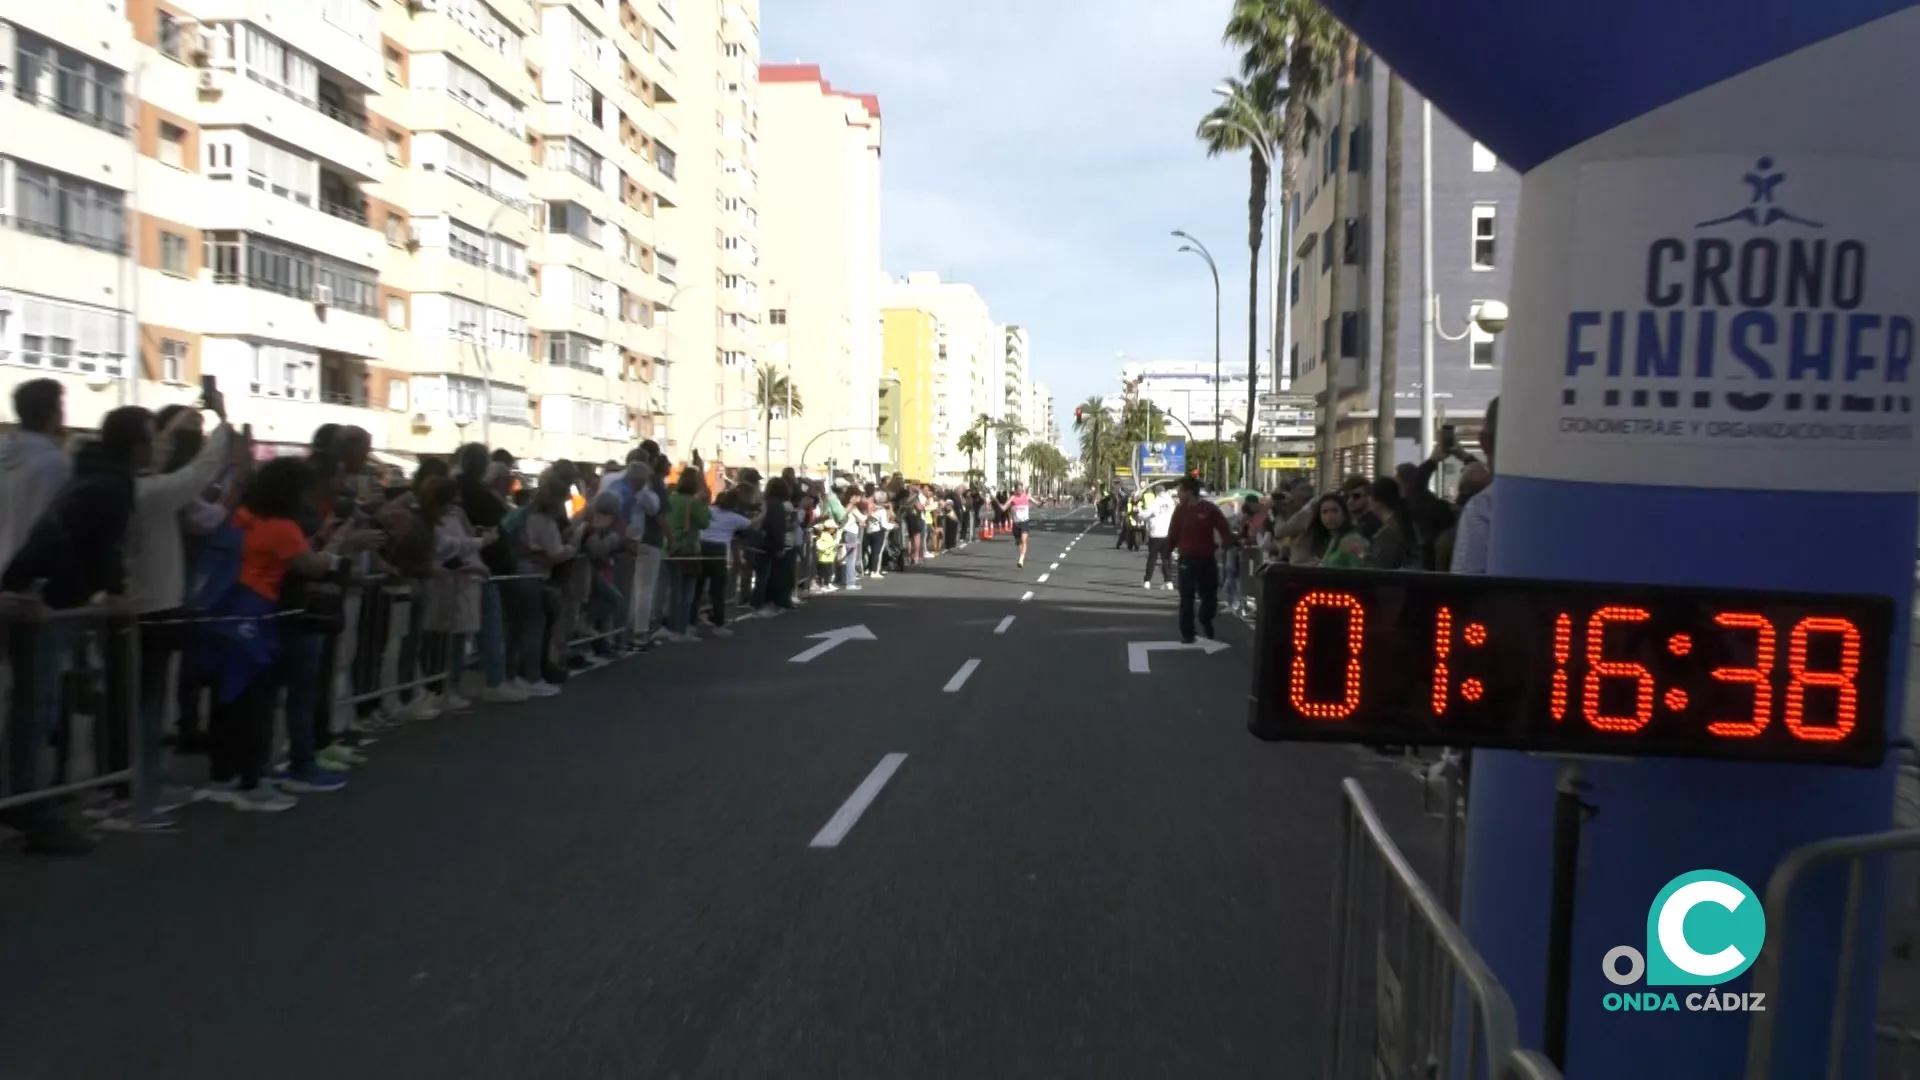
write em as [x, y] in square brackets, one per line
[1672, 928]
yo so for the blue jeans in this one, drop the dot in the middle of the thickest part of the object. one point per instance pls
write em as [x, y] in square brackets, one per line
[849, 564]
[493, 636]
[302, 662]
[1199, 581]
[679, 592]
[41, 654]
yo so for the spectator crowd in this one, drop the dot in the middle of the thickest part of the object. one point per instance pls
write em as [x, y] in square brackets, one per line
[174, 582]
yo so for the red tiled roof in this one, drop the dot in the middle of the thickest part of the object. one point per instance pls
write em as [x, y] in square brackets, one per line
[795, 73]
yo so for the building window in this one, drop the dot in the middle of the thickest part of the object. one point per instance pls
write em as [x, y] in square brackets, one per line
[173, 360]
[64, 336]
[395, 224]
[173, 253]
[170, 46]
[69, 209]
[1483, 159]
[393, 66]
[1326, 249]
[1483, 237]
[1479, 343]
[173, 138]
[1349, 334]
[66, 82]
[1355, 243]
[777, 317]
[393, 146]
[397, 312]
[1332, 149]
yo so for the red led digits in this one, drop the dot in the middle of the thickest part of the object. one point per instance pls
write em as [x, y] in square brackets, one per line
[1356, 633]
[1599, 668]
[1442, 645]
[1562, 652]
[1846, 708]
[1759, 676]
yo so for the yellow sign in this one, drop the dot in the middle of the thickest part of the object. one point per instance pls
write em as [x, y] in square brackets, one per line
[1121, 470]
[1287, 462]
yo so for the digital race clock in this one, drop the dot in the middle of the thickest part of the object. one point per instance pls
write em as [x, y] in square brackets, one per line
[1571, 667]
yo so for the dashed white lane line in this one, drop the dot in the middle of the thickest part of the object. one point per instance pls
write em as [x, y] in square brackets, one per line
[1004, 623]
[1055, 566]
[960, 677]
[843, 819]
[1028, 595]
[1043, 579]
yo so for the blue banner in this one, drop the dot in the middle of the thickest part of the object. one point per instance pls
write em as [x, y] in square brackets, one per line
[1166, 458]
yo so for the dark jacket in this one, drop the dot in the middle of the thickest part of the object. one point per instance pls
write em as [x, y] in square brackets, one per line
[1391, 548]
[773, 527]
[486, 511]
[78, 546]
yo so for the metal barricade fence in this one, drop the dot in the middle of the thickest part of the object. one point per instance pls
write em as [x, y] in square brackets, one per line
[1895, 1031]
[1398, 959]
[75, 669]
[1529, 1065]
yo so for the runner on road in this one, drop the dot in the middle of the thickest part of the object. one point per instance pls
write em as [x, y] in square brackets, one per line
[1018, 508]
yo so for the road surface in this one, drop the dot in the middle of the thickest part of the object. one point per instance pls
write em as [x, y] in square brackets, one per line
[975, 844]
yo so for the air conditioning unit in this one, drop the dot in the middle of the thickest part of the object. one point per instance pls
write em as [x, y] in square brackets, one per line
[420, 421]
[322, 295]
[209, 83]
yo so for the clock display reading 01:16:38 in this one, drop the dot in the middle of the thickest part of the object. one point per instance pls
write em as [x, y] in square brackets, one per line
[1570, 667]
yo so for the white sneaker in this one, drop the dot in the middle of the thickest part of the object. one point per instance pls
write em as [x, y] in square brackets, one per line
[542, 689]
[452, 702]
[1146, 584]
[684, 639]
[721, 631]
[1171, 587]
[504, 694]
[420, 708]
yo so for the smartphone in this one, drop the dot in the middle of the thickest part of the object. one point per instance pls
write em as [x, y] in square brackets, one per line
[1447, 441]
[209, 386]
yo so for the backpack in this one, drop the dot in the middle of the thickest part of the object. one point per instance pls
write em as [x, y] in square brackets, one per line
[216, 572]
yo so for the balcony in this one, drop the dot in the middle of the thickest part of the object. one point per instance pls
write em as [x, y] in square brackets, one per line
[337, 228]
[350, 52]
[326, 129]
[79, 148]
[292, 420]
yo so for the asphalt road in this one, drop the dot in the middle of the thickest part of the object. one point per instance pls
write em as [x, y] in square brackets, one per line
[1076, 871]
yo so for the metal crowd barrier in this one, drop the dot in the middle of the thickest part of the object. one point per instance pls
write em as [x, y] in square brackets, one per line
[1529, 1065]
[99, 642]
[1854, 853]
[1398, 959]
[97, 674]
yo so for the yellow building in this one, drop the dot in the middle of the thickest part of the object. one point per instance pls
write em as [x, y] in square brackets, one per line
[909, 350]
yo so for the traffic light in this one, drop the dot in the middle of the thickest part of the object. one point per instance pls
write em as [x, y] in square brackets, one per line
[1076, 412]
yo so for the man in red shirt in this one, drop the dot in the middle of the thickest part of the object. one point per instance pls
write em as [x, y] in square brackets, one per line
[1197, 532]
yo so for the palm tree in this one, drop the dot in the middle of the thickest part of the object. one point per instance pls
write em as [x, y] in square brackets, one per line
[1008, 430]
[1097, 436]
[773, 393]
[1302, 40]
[1250, 109]
[970, 443]
[1384, 434]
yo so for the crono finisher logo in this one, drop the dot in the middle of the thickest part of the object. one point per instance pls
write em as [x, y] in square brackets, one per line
[1705, 928]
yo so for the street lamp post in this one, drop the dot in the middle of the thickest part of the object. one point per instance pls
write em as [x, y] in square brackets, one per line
[1200, 249]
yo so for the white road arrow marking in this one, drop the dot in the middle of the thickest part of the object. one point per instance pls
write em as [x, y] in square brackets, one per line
[831, 639]
[1137, 651]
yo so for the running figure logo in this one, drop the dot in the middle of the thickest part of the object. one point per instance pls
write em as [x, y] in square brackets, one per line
[1760, 210]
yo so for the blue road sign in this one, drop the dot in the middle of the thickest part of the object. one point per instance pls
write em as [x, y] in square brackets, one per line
[1164, 458]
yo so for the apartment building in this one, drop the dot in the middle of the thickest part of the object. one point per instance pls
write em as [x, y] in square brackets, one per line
[1041, 426]
[821, 228]
[969, 363]
[434, 219]
[1015, 378]
[68, 262]
[710, 240]
[910, 349]
[1476, 208]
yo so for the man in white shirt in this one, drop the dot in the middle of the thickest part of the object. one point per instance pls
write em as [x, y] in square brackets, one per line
[1159, 517]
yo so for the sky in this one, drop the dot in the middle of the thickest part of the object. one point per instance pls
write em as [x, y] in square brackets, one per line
[1043, 151]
